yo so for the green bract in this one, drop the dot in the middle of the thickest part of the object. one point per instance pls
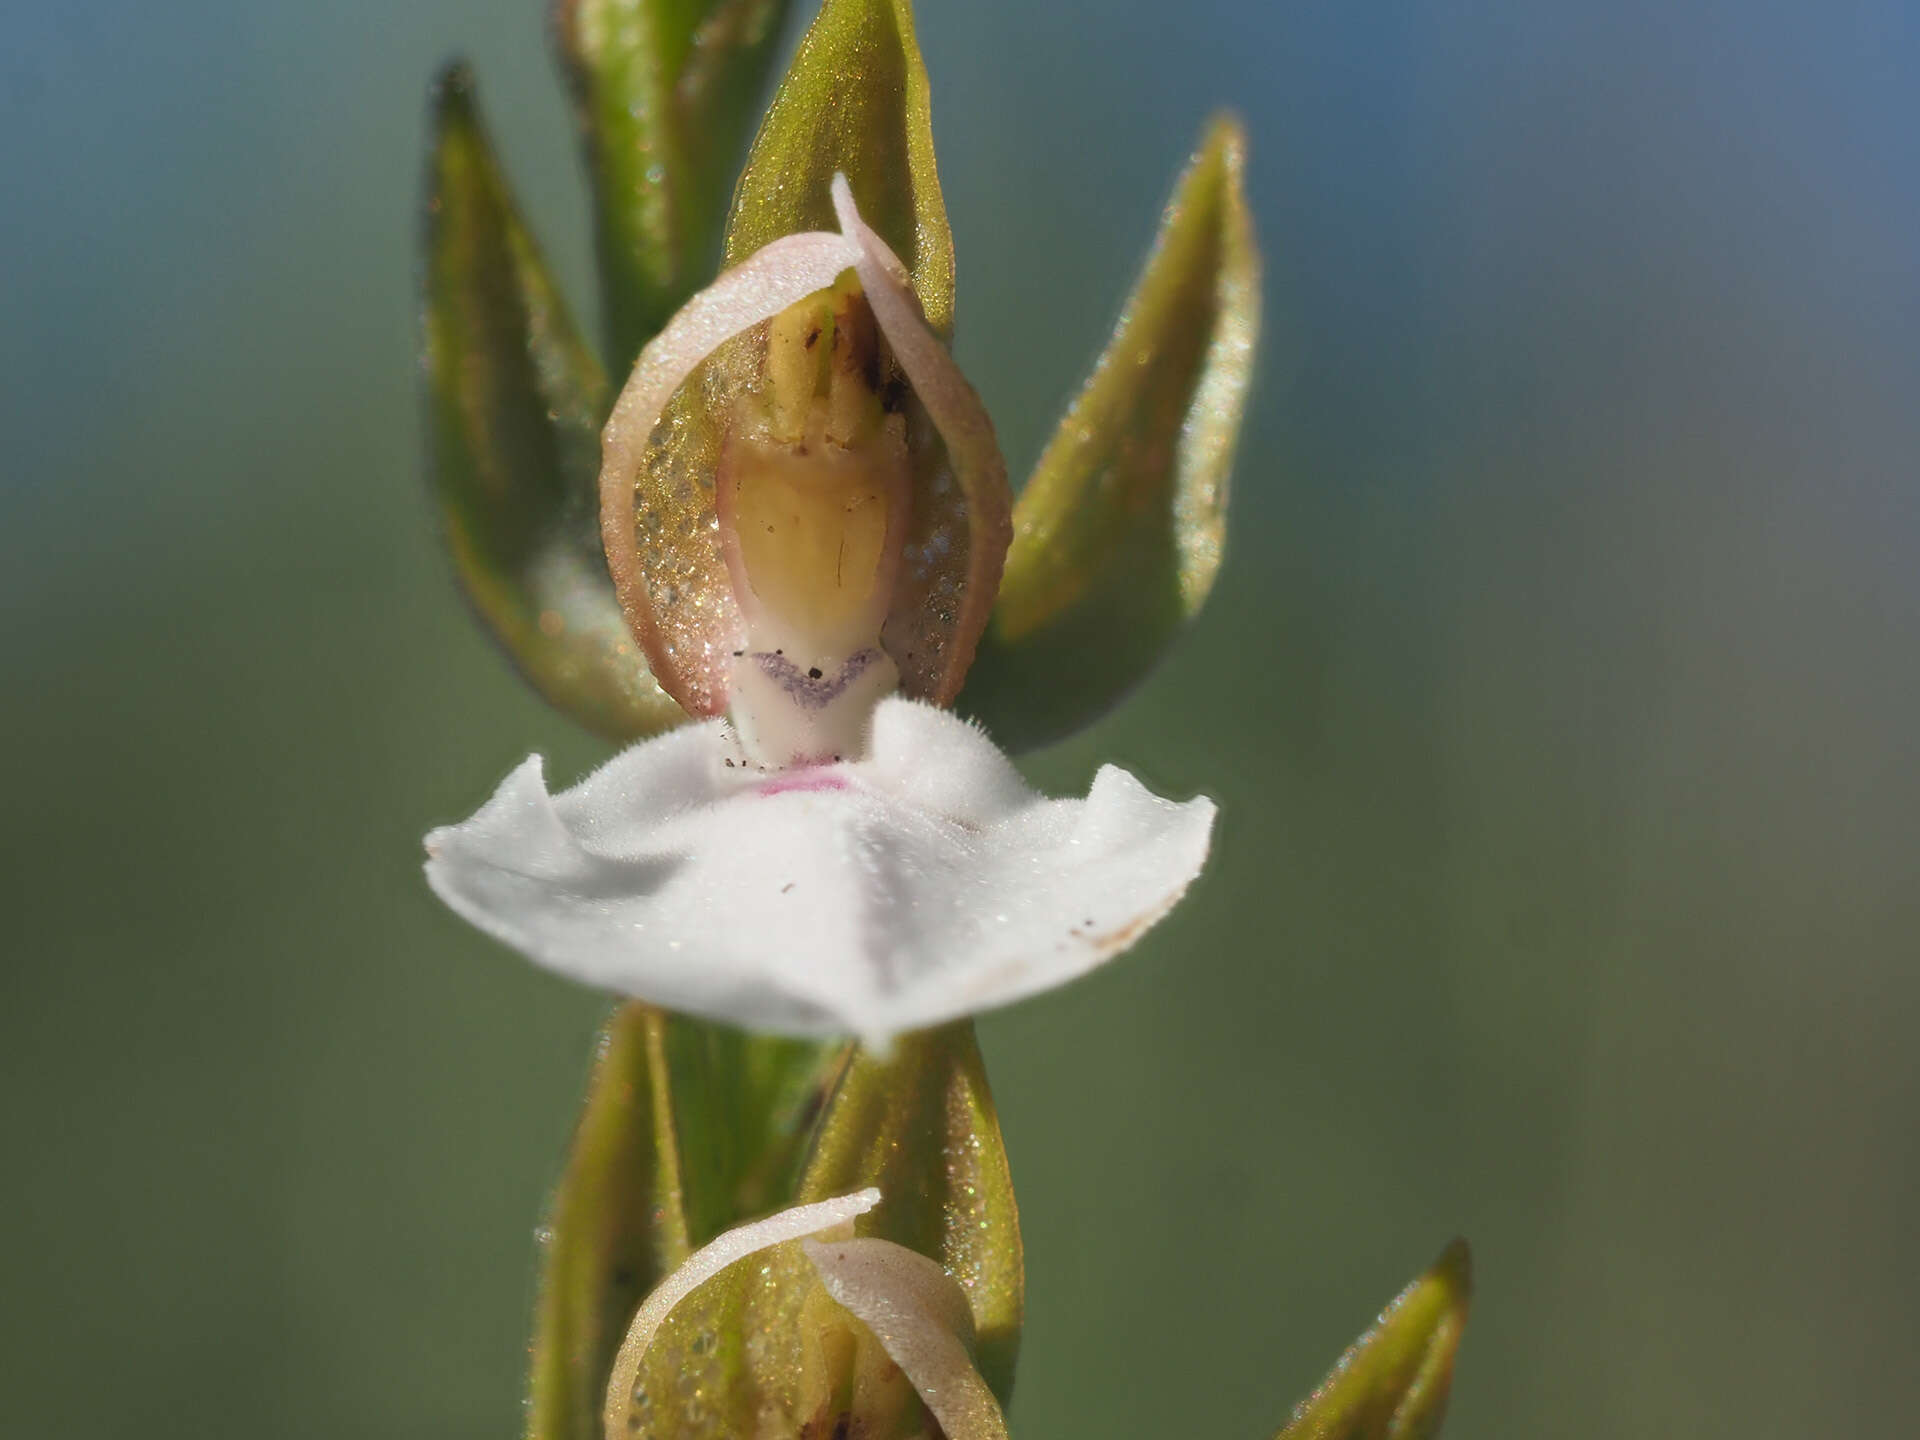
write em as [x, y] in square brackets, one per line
[515, 399]
[855, 101]
[616, 1225]
[1119, 533]
[1392, 1383]
[664, 92]
[687, 1128]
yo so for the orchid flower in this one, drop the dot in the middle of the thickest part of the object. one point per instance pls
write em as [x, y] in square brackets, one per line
[850, 1336]
[825, 859]
[809, 547]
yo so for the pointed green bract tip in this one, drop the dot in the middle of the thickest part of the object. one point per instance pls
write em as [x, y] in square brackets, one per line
[1120, 531]
[855, 100]
[1393, 1382]
[665, 94]
[452, 85]
[1455, 1269]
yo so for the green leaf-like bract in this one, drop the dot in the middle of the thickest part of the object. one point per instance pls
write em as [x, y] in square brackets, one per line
[616, 1226]
[922, 1126]
[515, 400]
[1392, 1383]
[664, 93]
[688, 1129]
[1119, 532]
[855, 100]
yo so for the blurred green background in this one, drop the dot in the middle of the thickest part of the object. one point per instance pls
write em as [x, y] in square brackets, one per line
[1561, 695]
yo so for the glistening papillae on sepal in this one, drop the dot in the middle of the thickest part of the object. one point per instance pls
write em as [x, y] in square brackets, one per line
[790, 1326]
[687, 1129]
[1119, 532]
[1393, 1382]
[665, 93]
[515, 400]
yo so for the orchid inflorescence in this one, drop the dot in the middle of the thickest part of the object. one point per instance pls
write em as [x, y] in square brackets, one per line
[791, 552]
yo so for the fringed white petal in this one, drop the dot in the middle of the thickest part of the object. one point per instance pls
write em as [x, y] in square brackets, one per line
[708, 1261]
[921, 884]
[920, 1316]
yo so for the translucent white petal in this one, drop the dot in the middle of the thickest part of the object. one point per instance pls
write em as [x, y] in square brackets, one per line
[920, 884]
[758, 288]
[919, 1314]
[708, 1261]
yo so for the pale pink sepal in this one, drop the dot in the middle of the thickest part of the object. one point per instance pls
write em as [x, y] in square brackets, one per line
[920, 1316]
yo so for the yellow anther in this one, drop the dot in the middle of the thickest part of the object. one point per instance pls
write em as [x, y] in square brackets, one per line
[799, 341]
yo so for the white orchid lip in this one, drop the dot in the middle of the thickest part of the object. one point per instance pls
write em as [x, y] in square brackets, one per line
[920, 884]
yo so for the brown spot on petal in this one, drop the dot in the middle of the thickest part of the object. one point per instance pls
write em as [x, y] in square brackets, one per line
[1122, 938]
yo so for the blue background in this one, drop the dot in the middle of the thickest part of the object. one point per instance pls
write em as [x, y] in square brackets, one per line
[1561, 695]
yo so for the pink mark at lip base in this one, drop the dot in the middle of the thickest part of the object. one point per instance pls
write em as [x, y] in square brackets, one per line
[806, 777]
